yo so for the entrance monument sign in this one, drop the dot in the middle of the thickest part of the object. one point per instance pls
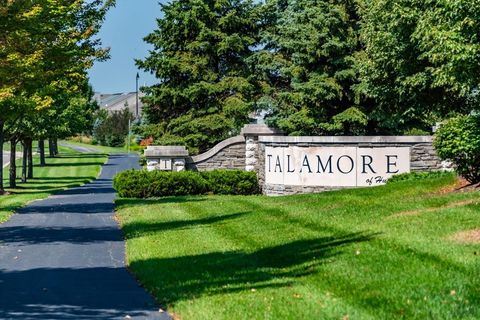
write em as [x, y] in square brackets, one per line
[334, 166]
[291, 165]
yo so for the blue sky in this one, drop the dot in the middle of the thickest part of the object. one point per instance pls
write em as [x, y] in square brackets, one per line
[123, 31]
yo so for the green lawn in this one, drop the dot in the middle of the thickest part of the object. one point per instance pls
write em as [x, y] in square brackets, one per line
[101, 149]
[68, 170]
[19, 148]
[379, 253]
[98, 148]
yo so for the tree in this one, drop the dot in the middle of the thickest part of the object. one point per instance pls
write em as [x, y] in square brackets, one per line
[112, 129]
[307, 67]
[45, 48]
[458, 140]
[205, 87]
[421, 60]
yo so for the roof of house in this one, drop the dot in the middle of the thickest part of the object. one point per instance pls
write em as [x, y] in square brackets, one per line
[118, 101]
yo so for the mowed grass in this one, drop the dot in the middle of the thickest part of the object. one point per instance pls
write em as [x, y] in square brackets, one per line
[378, 253]
[99, 148]
[67, 170]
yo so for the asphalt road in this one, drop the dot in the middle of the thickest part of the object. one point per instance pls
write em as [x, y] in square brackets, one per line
[6, 158]
[63, 257]
[80, 148]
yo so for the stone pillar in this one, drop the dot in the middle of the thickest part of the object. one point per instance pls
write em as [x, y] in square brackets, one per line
[251, 153]
[252, 148]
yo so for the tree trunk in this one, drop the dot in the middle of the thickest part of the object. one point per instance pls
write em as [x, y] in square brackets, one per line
[2, 189]
[13, 166]
[55, 146]
[41, 149]
[24, 161]
[30, 159]
[51, 149]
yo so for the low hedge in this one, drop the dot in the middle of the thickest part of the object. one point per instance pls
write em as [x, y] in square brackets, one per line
[231, 182]
[145, 184]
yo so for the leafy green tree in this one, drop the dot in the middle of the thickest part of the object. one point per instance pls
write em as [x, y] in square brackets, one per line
[421, 60]
[205, 87]
[45, 48]
[307, 67]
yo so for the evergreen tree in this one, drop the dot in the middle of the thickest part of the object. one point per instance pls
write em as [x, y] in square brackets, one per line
[307, 67]
[205, 87]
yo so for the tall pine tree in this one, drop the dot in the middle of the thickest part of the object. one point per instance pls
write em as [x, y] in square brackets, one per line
[307, 65]
[205, 87]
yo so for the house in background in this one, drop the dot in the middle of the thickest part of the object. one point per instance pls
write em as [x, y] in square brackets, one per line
[118, 101]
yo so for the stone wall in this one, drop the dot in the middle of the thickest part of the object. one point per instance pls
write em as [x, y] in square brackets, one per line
[247, 152]
[422, 155]
[228, 154]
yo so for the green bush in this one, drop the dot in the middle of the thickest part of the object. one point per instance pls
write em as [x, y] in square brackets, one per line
[233, 182]
[418, 176]
[111, 129]
[144, 184]
[458, 140]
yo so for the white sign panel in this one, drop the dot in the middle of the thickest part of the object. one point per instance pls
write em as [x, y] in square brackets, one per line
[165, 164]
[334, 166]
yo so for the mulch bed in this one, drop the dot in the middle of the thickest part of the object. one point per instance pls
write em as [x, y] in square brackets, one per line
[461, 185]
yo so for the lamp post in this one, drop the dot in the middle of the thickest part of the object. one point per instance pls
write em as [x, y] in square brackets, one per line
[136, 96]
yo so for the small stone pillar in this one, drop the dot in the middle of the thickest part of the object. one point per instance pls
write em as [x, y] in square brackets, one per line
[252, 147]
[166, 158]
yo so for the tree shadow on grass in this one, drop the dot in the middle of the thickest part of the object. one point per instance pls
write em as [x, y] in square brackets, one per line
[131, 202]
[134, 229]
[186, 277]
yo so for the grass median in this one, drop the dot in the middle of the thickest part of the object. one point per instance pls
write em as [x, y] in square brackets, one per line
[379, 253]
[68, 170]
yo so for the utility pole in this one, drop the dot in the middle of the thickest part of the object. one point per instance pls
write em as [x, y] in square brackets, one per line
[136, 96]
[129, 136]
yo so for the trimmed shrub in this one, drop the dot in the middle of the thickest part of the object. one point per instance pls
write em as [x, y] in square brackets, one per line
[145, 184]
[458, 140]
[234, 182]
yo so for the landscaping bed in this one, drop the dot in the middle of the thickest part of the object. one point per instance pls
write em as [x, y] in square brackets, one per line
[404, 250]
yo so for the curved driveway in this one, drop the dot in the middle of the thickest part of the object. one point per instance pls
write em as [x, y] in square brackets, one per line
[63, 257]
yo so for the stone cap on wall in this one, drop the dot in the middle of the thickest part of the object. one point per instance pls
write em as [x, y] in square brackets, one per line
[346, 139]
[166, 151]
[259, 130]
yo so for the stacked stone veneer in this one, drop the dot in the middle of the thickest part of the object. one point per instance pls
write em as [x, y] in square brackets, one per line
[422, 155]
[239, 152]
[247, 152]
[228, 154]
